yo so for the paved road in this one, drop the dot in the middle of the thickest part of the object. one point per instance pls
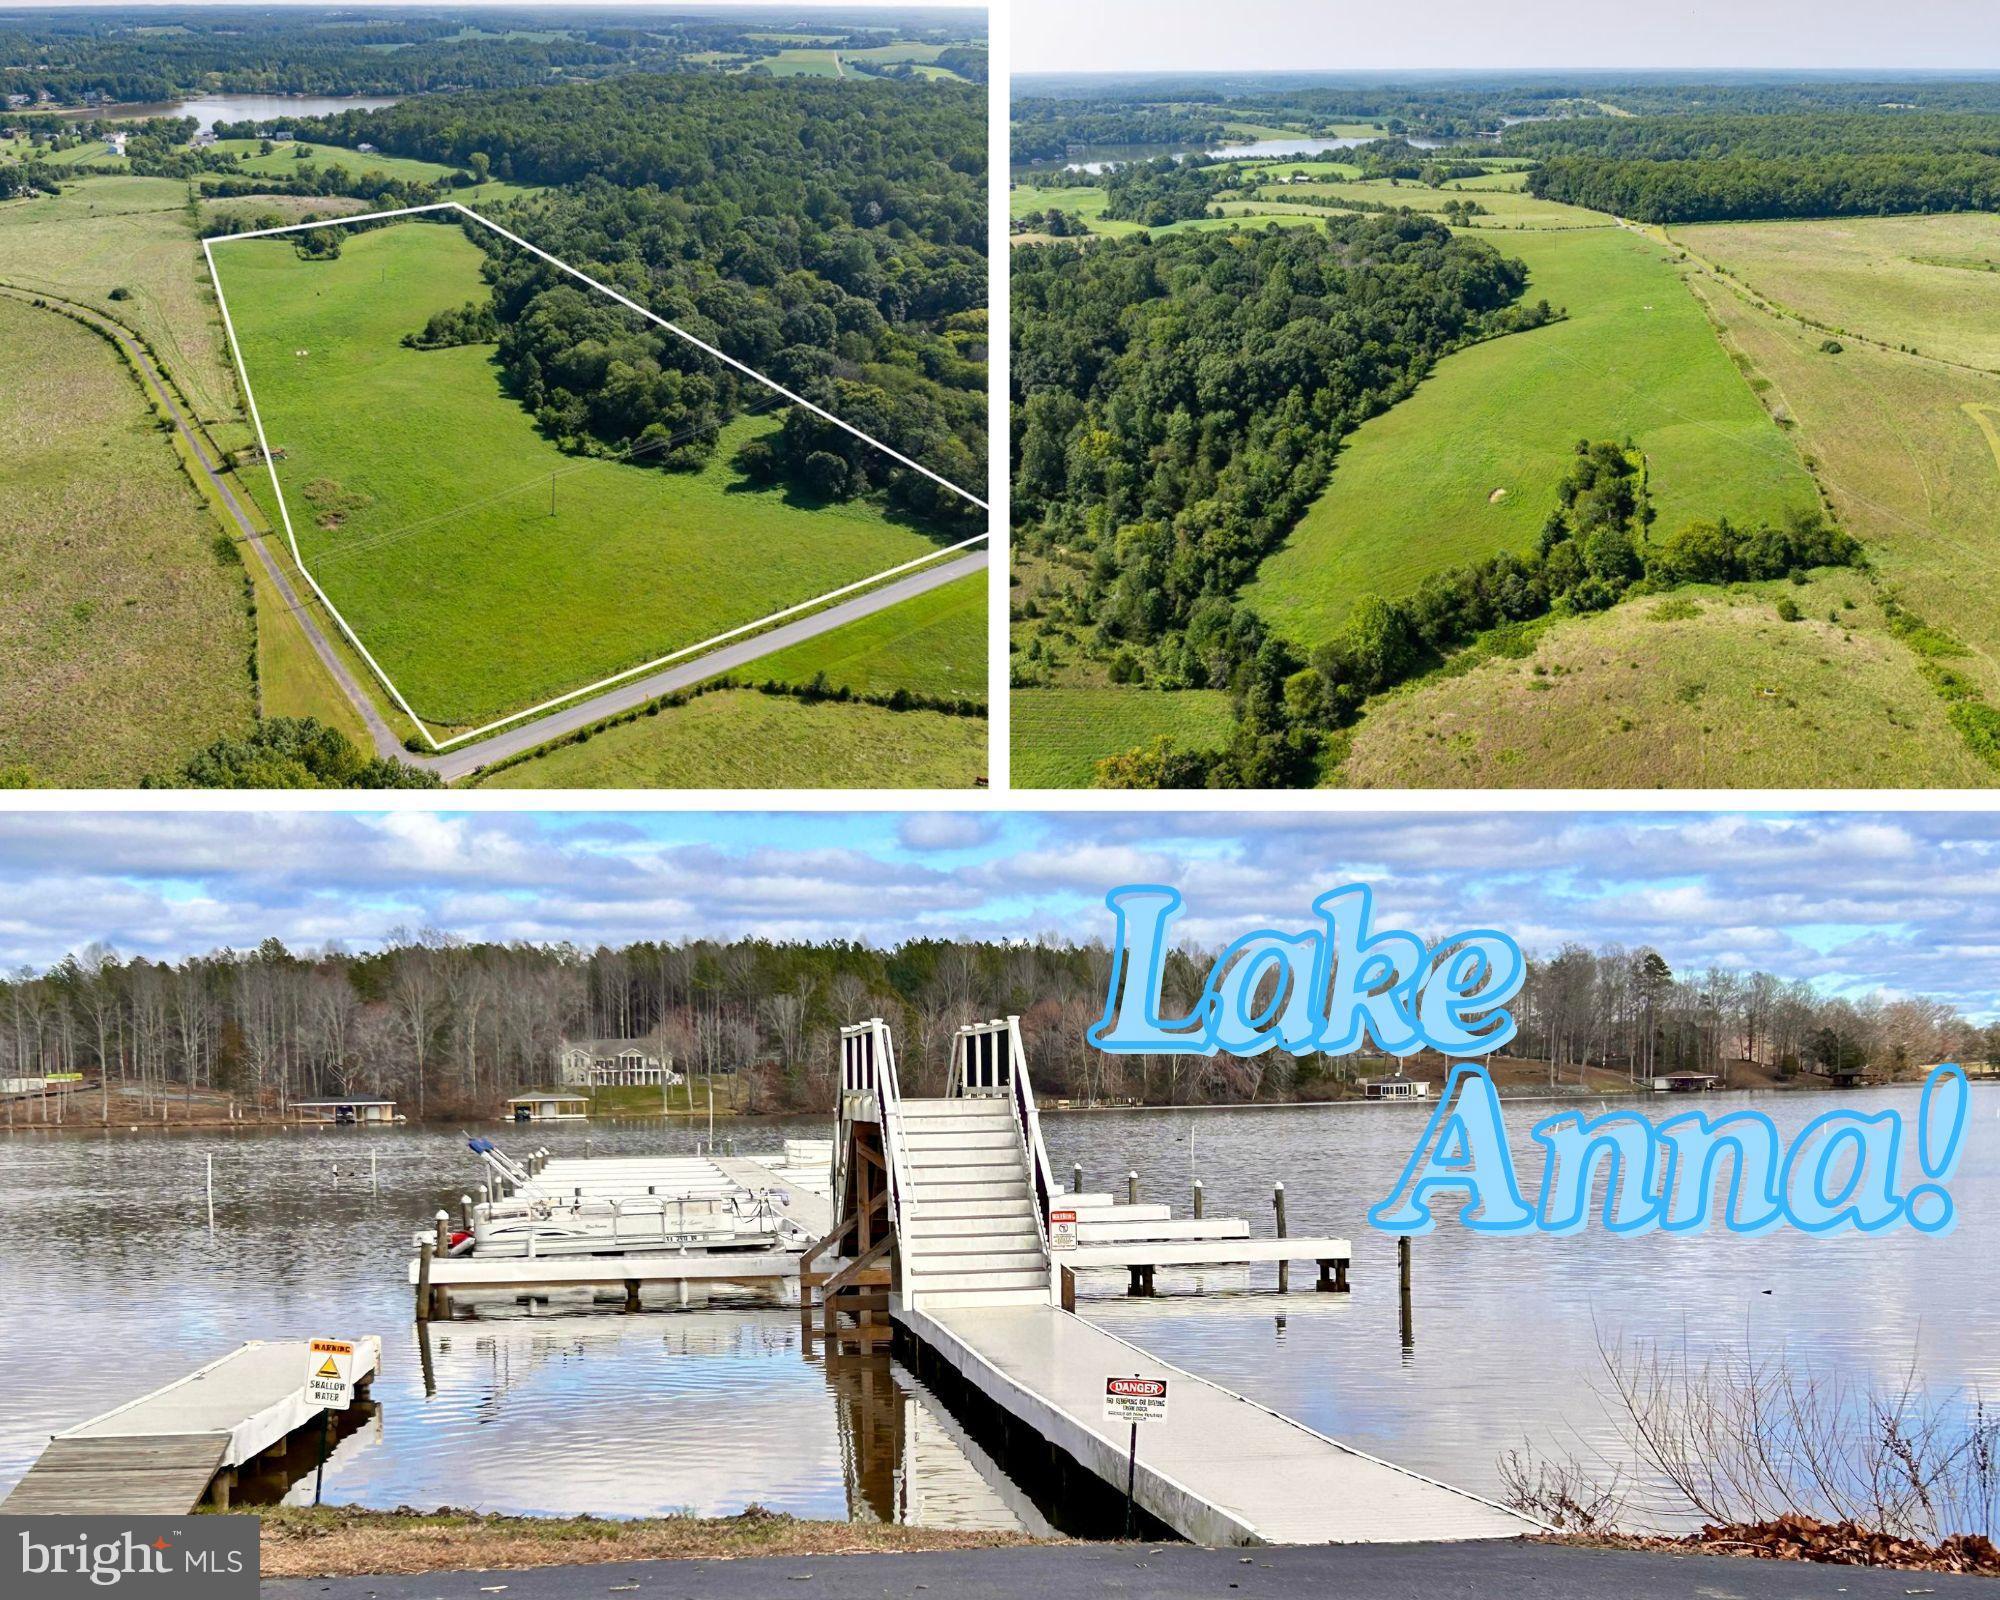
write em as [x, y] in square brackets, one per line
[1481, 1571]
[462, 760]
[386, 742]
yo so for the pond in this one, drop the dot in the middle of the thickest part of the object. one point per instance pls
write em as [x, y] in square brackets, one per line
[211, 109]
[113, 1284]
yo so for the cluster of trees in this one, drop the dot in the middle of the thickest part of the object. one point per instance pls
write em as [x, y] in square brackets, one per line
[471, 323]
[829, 234]
[1055, 222]
[21, 178]
[76, 56]
[448, 1026]
[1178, 402]
[1697, 168]
[1165, 190]
[292, 753]
[1048, 129]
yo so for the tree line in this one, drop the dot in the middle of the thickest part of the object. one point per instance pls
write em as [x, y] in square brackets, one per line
[448, 1026]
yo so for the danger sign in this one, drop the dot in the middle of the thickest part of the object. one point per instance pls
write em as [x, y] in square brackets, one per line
[1135, 1400]
[1062, 1230]
[330, 1372]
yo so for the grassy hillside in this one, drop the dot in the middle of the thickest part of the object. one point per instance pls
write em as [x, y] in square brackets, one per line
[136, 234]
[1059, 735]
[285, 159]
[932, 645]
[1470, 463]
[1932, 283]
[1705, 688]
[125, 639]
[1909, 452]
[742, 739]
[421, 493]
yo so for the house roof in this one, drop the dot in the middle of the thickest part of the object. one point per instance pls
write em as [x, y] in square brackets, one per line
[613, 1047]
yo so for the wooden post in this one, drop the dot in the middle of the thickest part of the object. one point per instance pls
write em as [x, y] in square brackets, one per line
[424, 1282]
[1284, 1267]
[465, 1213]
[631, 1294]
[1076, 1178]
[1131, 1188]
[1403, 1289]
[1068, 1289]
[1197, 1197]
[444, 1233]
[211, 1194]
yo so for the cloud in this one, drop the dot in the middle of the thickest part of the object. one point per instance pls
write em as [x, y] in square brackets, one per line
[1909, 901]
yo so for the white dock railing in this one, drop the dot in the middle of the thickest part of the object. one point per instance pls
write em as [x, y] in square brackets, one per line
[988, 1061]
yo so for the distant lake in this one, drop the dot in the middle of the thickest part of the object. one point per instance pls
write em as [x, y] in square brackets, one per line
[211, 109]
[1096, 157]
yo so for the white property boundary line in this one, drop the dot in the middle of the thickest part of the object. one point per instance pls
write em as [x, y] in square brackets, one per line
[291, 538]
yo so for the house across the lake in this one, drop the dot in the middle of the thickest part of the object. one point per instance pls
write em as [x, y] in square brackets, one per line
[605, 1063]
[1396, 1088]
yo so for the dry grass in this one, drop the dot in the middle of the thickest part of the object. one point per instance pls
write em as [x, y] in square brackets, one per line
[343, 1542]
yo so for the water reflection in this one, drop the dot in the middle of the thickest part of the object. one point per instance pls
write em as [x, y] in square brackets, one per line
[525, 1409]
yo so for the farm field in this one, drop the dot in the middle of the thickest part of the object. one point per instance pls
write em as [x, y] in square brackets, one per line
[420, 493]
[1704, 688]
[1059, 735]
[743, 739]
[1926, 282]
[125, 640]
[1470, 463]
[1511, 208]
[291, 207]
[1909, 452]
[934, 644]
[103, 234]
[285, 159]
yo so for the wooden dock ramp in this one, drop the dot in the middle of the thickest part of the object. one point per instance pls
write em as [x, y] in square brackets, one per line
[977, 1292]
[167, 1451]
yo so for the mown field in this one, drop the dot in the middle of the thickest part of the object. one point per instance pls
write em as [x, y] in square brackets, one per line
[285, 159]
[421, 494]
[1926, 282]
[1059, 735]
[125, 639]
[1469, 465]
[291, 207]
[743, 739]
[1909, 452]
[934, 644]
[104, 234]
[1706, 688]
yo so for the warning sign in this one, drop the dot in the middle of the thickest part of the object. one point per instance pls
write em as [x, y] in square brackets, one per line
[1135, 1400]
[330, 1372]
[1062, 1230]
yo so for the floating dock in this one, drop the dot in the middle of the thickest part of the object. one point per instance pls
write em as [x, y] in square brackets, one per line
[166, 1452]
[950, 1200]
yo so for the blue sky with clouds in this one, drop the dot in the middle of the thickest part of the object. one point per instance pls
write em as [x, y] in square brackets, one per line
[1907, 902]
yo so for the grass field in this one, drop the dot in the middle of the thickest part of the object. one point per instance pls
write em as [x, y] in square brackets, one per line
[1510, 207]
[1059, 735]
[1706, 688]
[934, 644]
[136, 234]
[292, 207]
[1909, 451]
[1925, 282]
[742, 739]
[472, 596]
[1413, 492]
[286, 159]
[124, 640]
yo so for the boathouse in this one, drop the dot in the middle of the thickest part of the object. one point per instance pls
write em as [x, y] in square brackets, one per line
[547, 1106]
[1685, 1083]
[344, 1113]
[1396, 1088]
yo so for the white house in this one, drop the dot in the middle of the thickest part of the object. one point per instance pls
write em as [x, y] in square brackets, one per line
[603, 1062]
[114, 144]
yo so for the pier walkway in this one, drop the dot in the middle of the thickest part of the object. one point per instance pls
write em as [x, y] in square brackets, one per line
[978, 1285]
[164, 1452]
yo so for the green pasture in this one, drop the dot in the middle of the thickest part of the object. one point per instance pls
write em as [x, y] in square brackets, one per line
[934, 644]
[1059, 735]
[486, 570]
[1470, 463]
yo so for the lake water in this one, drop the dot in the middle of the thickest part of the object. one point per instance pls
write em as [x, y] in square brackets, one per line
[1096, 157]
[111, 1284]
[211, 109]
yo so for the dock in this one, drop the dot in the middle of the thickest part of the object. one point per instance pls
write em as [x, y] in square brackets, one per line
[949, 1201]
[168, 1451]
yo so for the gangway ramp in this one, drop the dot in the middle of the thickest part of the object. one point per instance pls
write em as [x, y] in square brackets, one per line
[1221, 1470]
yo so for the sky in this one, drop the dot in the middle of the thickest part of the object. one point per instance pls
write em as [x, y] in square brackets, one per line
[1363, 35]
[1898, 902]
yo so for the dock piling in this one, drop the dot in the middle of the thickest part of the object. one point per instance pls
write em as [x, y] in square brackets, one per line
[373, 1186]
[211, 1195]
[1403, 1290]
[1076, 1178]
[443, 1233]
[465, 1212]
[1197, 1197]
[424, 1282]
[1284, 1267]
[1131, 1188]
